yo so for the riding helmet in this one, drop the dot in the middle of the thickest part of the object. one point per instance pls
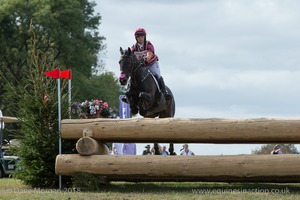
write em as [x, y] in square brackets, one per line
[140, 31]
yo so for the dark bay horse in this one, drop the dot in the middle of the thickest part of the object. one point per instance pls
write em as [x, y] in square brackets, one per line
[144, 95]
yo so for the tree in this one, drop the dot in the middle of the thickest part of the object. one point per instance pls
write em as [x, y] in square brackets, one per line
[267, 148]
[39, 125]
[38, 36]
[66, 28]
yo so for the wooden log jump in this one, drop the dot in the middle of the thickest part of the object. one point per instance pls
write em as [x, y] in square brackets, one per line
[88, 146]
[179, 130]
[239, 168]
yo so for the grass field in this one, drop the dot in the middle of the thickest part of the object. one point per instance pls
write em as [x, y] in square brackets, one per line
[14, 189]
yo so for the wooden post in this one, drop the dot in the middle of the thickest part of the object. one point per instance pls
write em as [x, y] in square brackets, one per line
[240, 168]
[180, 130]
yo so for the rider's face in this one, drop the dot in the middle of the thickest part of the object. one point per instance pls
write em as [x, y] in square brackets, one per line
[140, 39]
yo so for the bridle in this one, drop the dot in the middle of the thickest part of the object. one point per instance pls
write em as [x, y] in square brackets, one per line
[131, 63]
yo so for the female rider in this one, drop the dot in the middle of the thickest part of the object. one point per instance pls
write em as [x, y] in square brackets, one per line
[144, 49]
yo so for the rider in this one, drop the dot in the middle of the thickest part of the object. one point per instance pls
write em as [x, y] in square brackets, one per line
[143, 49]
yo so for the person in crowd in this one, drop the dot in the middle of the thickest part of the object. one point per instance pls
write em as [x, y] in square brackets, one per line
[158, 146]
[186, 151]
[117, 148]
[147, 150]
[129, 149]
[276, 149]
[164, 152]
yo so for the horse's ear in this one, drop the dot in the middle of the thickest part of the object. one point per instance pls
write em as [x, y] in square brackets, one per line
[121, 51]
[129, 51]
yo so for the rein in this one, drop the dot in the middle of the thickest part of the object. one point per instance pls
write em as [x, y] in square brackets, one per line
[140, 63]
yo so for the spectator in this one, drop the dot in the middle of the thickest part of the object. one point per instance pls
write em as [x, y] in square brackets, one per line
[276, 149]
[164, 151]
[147, 151]
[129, 149]
[117, 148]
[158, 150]
[171, 150]
[185, 151]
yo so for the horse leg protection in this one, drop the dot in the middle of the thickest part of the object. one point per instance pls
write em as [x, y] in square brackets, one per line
[125, 99]
[128, 96]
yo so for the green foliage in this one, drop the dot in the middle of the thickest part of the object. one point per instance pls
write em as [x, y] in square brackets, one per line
[267, 148]
[66, 28]
[65, 35]
[36, 102]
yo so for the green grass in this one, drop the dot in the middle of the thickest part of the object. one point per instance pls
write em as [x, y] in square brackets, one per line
[14, 189]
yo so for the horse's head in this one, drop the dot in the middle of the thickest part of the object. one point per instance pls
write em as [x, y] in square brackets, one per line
[125, 62]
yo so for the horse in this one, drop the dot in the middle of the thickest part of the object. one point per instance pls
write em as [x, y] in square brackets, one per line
[144, 96]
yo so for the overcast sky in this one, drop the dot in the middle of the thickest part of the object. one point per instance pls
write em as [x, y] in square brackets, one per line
[221, 58]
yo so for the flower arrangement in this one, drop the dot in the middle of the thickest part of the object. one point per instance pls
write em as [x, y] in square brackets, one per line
[90, 109]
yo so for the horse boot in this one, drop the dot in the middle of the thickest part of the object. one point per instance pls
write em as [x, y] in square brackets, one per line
[126, 98]
[163, 89]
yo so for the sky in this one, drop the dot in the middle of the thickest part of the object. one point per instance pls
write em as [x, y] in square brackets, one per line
[220, 58]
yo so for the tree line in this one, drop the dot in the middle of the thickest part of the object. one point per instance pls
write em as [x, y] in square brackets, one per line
[39, 36]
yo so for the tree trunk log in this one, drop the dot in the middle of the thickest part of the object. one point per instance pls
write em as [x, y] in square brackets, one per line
[180, 130]
[239, 168]
[87, 146]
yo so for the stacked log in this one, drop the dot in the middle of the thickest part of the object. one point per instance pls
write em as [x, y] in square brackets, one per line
[94, 158]
[88, 146]
[238, 168]
[179, 130]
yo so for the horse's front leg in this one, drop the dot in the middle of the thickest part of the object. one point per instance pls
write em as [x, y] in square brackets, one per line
[131, 99]
[145, 102]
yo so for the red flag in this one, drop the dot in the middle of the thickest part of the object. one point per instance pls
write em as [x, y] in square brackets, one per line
[67, 74]
[54, 73]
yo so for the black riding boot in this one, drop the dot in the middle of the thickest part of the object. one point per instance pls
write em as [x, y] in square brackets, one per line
[163, 89]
